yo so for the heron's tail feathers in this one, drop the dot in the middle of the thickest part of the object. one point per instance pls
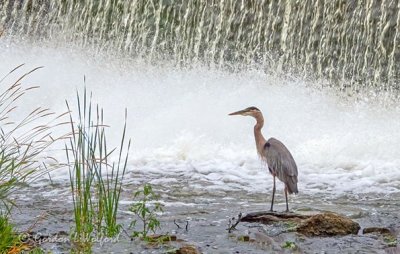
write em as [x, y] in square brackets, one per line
[292, 185]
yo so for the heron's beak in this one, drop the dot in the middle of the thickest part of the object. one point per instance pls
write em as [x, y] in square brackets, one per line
[240, 112]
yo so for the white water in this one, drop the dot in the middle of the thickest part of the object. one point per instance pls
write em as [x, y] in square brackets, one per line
[181, 131]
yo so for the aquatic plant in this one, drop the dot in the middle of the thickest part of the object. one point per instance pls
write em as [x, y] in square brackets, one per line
[22, 142]
[95, 181]
[146, 212]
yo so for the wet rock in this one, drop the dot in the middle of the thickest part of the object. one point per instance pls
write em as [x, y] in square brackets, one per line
[376, 230]
[161, 238]
[328, 224]
[188, 249]
[393, 250]
[264, 239]
[272, 217]
[323, 224]
[388, 236]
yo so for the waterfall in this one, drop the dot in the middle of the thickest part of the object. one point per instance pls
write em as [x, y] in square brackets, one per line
[353, 44]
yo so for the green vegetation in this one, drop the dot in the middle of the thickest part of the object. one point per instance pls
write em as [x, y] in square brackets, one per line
[290, 226]
[21, 142]
[95, 181]
[8, 237]
[37, 251]
[289, 245]
[12, 242]
[390, 240]
[146, 210]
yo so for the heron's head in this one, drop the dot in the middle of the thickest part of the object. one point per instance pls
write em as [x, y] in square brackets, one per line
[250, 111]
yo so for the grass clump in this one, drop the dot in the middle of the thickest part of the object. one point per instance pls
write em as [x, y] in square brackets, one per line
[95, 181]
[146, 210]
[8, 237]
[22, 141]
[11, 242]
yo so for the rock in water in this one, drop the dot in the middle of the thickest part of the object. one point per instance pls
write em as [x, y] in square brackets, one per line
[376, 230]
[188, 249]
[327, 224]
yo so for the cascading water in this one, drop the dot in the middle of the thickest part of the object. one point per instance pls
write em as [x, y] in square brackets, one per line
[174, 106]
[181, 66]
[354, 43]
[178, 112]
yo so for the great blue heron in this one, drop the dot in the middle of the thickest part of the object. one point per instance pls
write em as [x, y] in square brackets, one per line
[280, 162]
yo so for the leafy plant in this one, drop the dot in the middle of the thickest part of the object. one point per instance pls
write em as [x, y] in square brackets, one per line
[146, 212]
[95, 182]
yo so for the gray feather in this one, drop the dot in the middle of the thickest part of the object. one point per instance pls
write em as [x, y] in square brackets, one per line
[281, 163]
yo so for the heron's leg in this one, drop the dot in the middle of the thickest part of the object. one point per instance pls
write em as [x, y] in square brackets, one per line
[273, 196]
[287, 205]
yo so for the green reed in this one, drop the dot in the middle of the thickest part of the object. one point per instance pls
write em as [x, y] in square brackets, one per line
[96, 182]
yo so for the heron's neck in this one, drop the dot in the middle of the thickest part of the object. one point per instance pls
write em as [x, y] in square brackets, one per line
[260, 140]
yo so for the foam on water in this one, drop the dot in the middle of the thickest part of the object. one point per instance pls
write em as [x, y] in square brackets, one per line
[181, 131]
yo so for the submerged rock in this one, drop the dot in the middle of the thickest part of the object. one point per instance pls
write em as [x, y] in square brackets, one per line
[264, 239]
[376, 230]
[388, 236]
[161, 238]
[328, 224]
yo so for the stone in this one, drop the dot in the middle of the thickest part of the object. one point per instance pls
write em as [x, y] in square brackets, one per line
[188, 249]
[272, 217]
[376, 230]
[161, 238]
[328, 224]
[321, 224]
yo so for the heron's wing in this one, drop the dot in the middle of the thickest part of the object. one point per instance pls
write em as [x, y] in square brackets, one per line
[280, 161]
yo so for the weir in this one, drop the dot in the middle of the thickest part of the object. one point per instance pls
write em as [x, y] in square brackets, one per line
[354, 44]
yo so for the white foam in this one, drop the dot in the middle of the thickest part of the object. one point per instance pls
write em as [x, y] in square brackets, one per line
[180, 128]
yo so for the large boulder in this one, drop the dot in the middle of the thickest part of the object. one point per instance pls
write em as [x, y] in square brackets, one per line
[328, 224]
